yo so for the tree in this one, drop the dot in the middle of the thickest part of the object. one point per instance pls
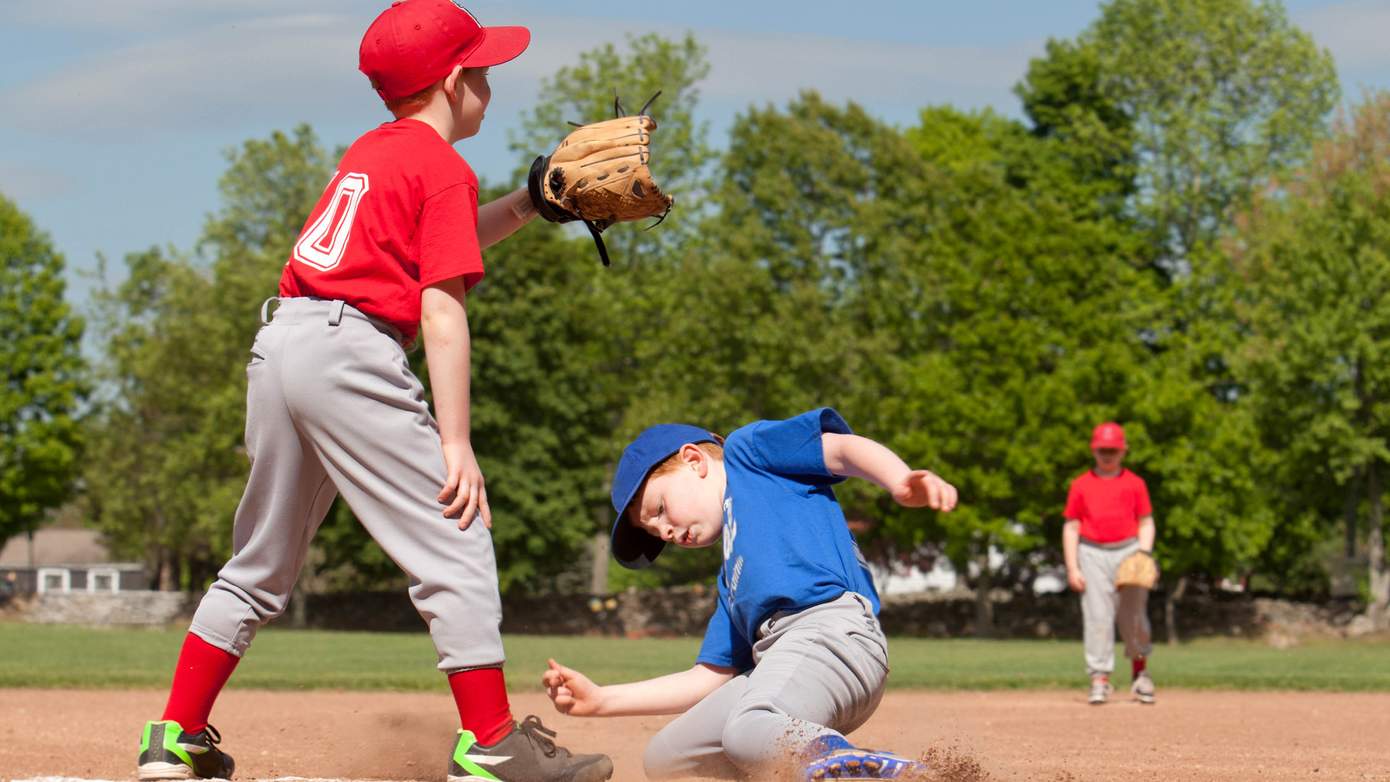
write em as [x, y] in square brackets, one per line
[1029, 331]
[40, 340]
[177, 330]
[160, 490]
[585, 92]
[561, 343]
[1313, 254]
[1221, 95]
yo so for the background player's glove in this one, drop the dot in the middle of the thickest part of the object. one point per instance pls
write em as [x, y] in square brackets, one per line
[599, 174]
[1137, 569]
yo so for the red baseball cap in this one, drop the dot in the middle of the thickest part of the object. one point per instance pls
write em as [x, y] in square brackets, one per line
[1108, 435]
[415, 43]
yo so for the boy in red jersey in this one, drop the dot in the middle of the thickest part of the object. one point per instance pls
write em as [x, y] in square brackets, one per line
[1109, 517]
[391, 248]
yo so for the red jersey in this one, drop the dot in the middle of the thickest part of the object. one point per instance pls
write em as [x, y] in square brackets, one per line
[400, 214]
[1109, 509]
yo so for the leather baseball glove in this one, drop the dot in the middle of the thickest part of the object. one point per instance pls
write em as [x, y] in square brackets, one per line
[1137, 570]
[599, 175]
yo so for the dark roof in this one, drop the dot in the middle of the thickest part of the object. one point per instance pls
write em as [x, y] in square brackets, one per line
[56, 547]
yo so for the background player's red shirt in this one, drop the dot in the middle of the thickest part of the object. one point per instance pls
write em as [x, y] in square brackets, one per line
[400, 214]
[1109, 509]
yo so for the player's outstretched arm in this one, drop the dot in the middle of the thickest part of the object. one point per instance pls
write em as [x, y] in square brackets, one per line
[504, 216]
[575, 694]
[853, 456]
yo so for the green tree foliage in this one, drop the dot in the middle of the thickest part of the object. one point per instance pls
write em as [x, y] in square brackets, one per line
[543, 401]
[1214, 99]
[40, 338]
[1221, 95]
[975, 291]
[1029, 329]
[560, 341]
[176, 333]
[1315, 257]
[159, 490]
[585, 92]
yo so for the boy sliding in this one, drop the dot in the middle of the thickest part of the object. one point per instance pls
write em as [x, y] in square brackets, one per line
[793, 658]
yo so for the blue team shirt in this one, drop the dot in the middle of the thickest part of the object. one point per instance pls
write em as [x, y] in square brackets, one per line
[786, 544]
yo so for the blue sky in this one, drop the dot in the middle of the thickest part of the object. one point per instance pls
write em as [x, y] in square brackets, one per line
[115, 116]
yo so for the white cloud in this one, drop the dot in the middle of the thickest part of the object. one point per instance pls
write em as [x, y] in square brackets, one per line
[757, 68]
[208, 77]
[304, 67]
[1354, 31]
[26, 182]
[125, 14]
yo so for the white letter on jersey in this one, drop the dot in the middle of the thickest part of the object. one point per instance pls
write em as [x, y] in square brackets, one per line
[322, 244]
[730, 527]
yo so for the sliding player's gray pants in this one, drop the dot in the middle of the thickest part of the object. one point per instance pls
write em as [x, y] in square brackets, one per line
[818, 672]
[1103, 606]
[332, 407]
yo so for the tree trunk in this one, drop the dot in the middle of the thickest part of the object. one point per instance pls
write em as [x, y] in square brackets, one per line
[299, 601]
[1170, 610]
[598, 573]
[166, 571]
[1353, 499]
[984, 606]
[1379, 608]
[599, 549]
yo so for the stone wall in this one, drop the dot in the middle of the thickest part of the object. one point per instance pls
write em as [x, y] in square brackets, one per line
[144, 607]
[684, 611]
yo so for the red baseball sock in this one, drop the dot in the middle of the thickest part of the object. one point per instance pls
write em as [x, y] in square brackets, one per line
[481, 697]
[1136, 667]
[202, 671]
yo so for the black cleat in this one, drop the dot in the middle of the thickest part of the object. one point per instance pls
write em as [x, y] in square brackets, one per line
[167, 752]
[527, 754]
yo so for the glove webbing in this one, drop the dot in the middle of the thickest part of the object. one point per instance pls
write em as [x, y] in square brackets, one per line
[557, 215]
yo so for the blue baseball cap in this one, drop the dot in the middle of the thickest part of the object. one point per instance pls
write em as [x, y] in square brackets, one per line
[633, 547]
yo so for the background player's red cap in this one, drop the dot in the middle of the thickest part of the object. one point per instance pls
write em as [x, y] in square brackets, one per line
[1108, 435]
[415, 43]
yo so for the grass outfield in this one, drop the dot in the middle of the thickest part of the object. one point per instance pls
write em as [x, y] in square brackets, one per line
[63, 656]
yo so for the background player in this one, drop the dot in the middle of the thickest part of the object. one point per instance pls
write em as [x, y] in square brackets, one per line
[794, 657]
[1108, 518]
[332, 406]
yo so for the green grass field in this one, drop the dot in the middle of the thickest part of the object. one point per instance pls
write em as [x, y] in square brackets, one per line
[61, 656]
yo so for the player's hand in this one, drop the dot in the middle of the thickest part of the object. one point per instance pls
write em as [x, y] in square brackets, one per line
[571, 691]
[924, 488]
[1076, 581]
[463, 496]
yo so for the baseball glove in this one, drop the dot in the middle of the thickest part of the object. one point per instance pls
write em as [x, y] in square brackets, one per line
[599, 175]
[1137, 570]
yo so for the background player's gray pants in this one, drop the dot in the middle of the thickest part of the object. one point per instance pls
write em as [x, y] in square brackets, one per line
[1103, 606]
[332, 406]
[818, 672]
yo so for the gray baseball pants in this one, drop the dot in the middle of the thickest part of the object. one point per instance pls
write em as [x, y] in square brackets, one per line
[332, 407]
[1103, 606]
[817, 672]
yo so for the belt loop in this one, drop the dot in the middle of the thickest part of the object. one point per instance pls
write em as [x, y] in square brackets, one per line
[335, 312]
[265, 309]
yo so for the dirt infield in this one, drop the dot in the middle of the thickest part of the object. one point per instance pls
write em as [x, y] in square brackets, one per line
[1051, 736]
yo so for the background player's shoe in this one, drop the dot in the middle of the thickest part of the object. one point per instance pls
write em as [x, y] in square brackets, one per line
[1100, 690]
[167, 752]
[1143, 687]
[527, 754]
[856, 763]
